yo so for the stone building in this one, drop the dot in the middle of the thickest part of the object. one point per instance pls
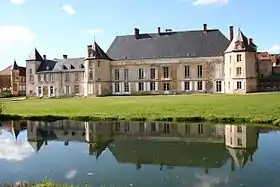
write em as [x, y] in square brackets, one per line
[12, 79]
[165, 62]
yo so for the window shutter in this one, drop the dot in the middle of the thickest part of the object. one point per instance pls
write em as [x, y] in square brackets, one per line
[183, 85]
[113, 88]
[136, 87]
[191, 85]
[156, 85]
[203, 85]
[148, 86]
[156, 73]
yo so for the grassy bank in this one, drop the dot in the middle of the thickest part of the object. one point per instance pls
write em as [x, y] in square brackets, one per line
[254, 108]
[44, 183]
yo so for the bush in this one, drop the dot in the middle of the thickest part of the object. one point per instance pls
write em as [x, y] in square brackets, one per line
[5, 94]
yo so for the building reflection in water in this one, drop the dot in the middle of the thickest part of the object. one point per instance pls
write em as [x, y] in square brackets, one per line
[163, 144]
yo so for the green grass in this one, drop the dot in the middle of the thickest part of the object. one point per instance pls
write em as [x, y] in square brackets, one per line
[255, 108]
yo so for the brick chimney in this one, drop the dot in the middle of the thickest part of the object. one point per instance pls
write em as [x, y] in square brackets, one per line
[159, 32]
[250, 41]
[136, 33]
[205, 27]
[231, 33]
[64, 56]
[45, 57]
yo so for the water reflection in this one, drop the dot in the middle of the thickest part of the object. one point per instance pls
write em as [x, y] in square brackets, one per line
[164, 144]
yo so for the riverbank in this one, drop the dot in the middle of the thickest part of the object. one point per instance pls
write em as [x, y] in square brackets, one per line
[44, 183]
[251, 108]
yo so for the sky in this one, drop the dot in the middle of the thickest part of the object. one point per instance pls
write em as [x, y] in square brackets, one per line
[57, 27]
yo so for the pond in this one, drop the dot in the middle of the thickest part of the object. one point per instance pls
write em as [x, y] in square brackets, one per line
[140, 154]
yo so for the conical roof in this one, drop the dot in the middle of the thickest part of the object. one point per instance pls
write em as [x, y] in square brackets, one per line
[241, 43]
[35, 55]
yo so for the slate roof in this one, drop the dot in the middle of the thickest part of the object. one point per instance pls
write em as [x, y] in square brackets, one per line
[67, 64]
[186, 44]
[240, 43]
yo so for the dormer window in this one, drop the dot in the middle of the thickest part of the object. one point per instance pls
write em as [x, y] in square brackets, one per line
[81, 66]
[48, 68]
[64, 67]
[72, 67]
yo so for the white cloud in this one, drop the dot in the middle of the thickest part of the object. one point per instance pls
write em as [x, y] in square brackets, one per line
[274, 49]
[210, 181]
[210, 2]
[15, 36]
[10, 149]
[19, 2]
[92, 31]
[70, 174]
[68, 8]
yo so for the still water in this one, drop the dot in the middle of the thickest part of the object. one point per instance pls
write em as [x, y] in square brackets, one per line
[142, 154]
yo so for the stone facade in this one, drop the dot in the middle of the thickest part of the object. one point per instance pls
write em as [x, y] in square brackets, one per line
[232, 69]
[13, 78]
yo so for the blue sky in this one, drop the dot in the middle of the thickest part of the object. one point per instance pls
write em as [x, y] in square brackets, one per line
[57, 27]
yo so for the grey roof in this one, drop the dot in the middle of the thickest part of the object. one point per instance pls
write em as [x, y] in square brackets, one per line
[169, 45]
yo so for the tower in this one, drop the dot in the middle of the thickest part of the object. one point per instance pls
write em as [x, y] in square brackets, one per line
[97, 72]
[32, 65]
[240, 65]
[15, 80]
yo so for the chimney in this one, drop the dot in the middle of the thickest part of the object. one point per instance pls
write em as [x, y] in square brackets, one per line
[64, 56]
[205, 27]
[89, 51]
[45, 57]
[136, 33]
[250, 41]
[159, 31]
[231, 33]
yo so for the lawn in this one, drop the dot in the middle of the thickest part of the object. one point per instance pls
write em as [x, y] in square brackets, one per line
[258, 107]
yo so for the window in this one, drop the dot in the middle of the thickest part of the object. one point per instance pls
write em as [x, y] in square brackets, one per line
[98, 64]
[199, 71]
[153, 127]
[188, 129]
[30, 71]
[187, 85]
[239, 129]
[166, 86]
[41, 78]
[126, 87]
[126, 127]
[239, 142]
[218, 86]
[152, 86]
[229, 85]
[117, 74]
[165, 72]
[187, 71]
[140, 86]
[200, 129]
[125, 74]
[141, 126]
[77, 89]
[52, 77]
[67, 89]
[90, 74]
[238, 58]
[199, 85]
[153, 73]
[45, 77]
[230, 140]
[239, 85]
[67, 78]
[117, 87]
[51, 90]
[230, 59]
[117, 126]
[141, 73]
[238, 71]
[31, 78]
[166, 128]
[76, 76]
[39, 90]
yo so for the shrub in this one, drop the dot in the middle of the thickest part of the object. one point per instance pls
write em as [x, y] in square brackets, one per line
[5, 94]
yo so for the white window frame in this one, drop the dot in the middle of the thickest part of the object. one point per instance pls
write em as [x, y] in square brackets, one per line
[198, 85]
[218, 85]
[126, 87]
